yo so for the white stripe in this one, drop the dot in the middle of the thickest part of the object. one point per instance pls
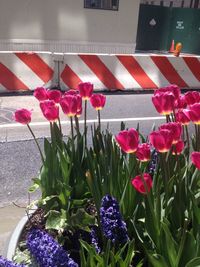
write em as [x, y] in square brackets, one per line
[11, 125]
[83, 71]
[21, 70]
[3, 89]
[47, 58]
[152, 70]
[184, 72]
[120, 72]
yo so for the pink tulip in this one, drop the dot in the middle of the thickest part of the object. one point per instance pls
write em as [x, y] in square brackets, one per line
[128, 140]
[50, 110]
[178, 148]
[22, 116]
[54, 95]
[143, 152]
[164, 102]
[175, 129]
[182, 116]
[192, 97]
[172, 88]
[162, 140]
[98, 101]
[85, 90]
[195, 157]
[69, 105]
[71, 92]
[41, 94]
[194, 113]
[180, 103]
[142, 184]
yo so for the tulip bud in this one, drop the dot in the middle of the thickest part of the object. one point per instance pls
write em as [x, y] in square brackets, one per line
[162, 140]
[98, 101]
[143, 152]
[54, 95]
[41, 94]
[195, 157]
[69, 105]
[50, 110]
[178, 148]
[175, 129]
[164, 102]
[194, 113]
[85, 90]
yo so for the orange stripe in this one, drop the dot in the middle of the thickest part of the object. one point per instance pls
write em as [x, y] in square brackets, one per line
[194, 65]
[37, 65]
[101, 71]
[169, 71]
[9, 80]
[137, 72]
[70, 78]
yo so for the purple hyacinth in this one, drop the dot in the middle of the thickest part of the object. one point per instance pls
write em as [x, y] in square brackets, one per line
[153, 163]
[94, 239]
[113, 226]
[46, 251]
[6, 263]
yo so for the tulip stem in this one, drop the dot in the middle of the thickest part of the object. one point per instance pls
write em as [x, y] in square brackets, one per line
[85, 121]
[99, 119]
[77, 125]
[42, 157]
[196, 133]
[72, 129]
[188, 139]
[60, 127]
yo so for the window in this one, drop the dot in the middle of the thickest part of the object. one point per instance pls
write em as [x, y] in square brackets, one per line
[102, 4]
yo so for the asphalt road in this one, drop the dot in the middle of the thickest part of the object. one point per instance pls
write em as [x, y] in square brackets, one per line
[19, 157]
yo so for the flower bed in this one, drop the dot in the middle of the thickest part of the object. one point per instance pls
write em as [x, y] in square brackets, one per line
[126, 200]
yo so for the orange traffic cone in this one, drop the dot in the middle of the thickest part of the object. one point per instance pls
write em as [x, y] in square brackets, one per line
[178, 49]
[171, 50]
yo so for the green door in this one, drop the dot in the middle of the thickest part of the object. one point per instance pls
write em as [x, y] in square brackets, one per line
[153, 27]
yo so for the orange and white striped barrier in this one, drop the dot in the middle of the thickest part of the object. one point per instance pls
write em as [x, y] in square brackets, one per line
[137, 71]
[26, 71]
[20, 71]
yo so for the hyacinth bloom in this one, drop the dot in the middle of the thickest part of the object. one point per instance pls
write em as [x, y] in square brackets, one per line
[162, 140]
[164, 102]
[128, 140]
[142, 184]
[47, 251]
[195, 157]
[70, 104]
[182, 116]
[22, 116]
[6, 263]
[194, 113]
[192, 97]
[98, 101]
[85, 90]
[50, 110]
[54, 95]
[41, 94]
[153, 163]
[178, 148]
[113, 226]
[175, 129]
[143, 152]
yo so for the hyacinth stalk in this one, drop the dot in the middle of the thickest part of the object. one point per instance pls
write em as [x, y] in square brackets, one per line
[46, 251]
[113, 226]
[6, 263]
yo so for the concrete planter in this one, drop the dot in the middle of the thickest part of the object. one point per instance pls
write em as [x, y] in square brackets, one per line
[14, 238]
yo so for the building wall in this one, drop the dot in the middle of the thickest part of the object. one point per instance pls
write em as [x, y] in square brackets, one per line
[66, 26]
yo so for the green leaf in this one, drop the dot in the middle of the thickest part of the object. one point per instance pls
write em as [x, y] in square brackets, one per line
[193, 263]
[36, 184]
[157, 260]
[56, 220]
[81, 218]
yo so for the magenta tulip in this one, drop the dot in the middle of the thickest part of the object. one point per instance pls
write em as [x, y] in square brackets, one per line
[50, 110]
[143, 152]
[182, 116]
[85, 90]
[41, 94]
[194, 113]
[128, 140]
[142, 184]
[195, 157]
[175, 129]
[54, 95]
[164, 102]
[69, 105]
[22, 116]
[98, 101]
[178, 148]
[162, 140]
[192, 97]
